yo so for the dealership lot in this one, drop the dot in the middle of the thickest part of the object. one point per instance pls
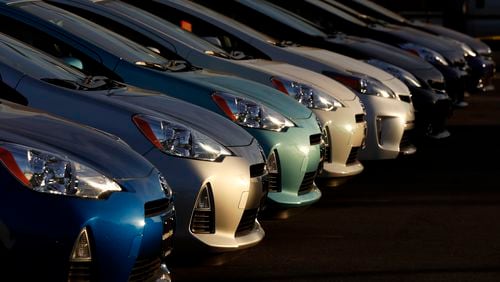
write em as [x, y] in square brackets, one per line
[434, 219]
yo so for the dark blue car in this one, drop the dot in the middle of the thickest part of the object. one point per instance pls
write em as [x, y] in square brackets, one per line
[78, 204]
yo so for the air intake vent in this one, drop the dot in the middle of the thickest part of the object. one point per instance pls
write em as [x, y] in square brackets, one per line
[247, 222]
[315, 139]
[353, 155]
[257, 170]
[80, 271]
[145, 270]
[405, 98]
[360, 118]
[156, 207]
[307, 183]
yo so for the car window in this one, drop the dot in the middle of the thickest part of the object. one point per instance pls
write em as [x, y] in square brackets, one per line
[55, 47]
[164, 26]
[105, 39]
[34, 63]
[208, 31]
[122, 30]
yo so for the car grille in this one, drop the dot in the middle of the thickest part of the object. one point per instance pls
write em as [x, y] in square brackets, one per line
[147, 269]
[405, 98]
[80, 271]
[156, 207]
[353, 156]
[360, 118]
[203, 222]
[406, 140]
[247, 221]
[307, 183]
[315, 139]
[257, 170]
[274, 182]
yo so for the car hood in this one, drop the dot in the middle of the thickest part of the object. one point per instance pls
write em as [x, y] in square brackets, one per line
[409, 34]
[209, 123]
[382, 51]
[101, 151]
[476, 44]
[340, 61]
[304, 76]
[237, 86]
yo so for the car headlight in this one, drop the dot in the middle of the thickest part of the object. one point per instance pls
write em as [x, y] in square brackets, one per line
[363, 84]
[403, 75]
[306, 95]
[251, 114]
[52, 173]
[179, 140]
[427, 54]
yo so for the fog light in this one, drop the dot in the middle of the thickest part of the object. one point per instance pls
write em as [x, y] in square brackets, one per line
[203, 218]
[273, 176]
[81, 249]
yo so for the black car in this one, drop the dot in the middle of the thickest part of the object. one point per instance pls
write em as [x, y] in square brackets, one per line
[446, 55]
[479, 56]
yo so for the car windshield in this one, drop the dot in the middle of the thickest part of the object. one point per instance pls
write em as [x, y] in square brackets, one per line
[379, 9]
[107, 40]
[34, 63]
[41, 66]
[339, 10]
[232, 22]
[284, 16]
[165, 27]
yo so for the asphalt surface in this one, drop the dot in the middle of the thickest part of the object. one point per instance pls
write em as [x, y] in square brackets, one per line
[430, 217]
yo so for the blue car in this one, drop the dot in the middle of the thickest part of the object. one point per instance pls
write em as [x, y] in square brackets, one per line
[211, 163]
[288, 132]
[78, 204]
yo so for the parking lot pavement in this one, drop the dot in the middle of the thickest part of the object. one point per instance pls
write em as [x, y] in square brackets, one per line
[431, 217]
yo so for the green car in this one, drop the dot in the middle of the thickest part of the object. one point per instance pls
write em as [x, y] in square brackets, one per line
[288, 132]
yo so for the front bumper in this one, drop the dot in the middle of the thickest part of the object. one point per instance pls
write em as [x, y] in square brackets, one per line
[346, 130]
[299, 160]
[390, 122]
[432, 110]
[235, 194]
[121, 233]
[482, 71]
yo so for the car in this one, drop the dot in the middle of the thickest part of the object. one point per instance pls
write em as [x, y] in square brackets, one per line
[78, 203]
[337, 107]
[215, 168]
[287, 131]
[446, 55]
[478, 53]
[288, 29]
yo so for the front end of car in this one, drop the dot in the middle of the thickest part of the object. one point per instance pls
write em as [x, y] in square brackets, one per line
[389, 115]
[292, 146]
[84, 217]
[428, 95]
[340, 115]
[217, 171]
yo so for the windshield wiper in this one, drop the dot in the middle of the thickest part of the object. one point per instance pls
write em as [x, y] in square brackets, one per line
[100, 83]
[286, 43]
[66, 83]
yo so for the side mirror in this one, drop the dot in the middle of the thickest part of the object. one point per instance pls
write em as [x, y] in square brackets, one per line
[74, 62]
[214, 40]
